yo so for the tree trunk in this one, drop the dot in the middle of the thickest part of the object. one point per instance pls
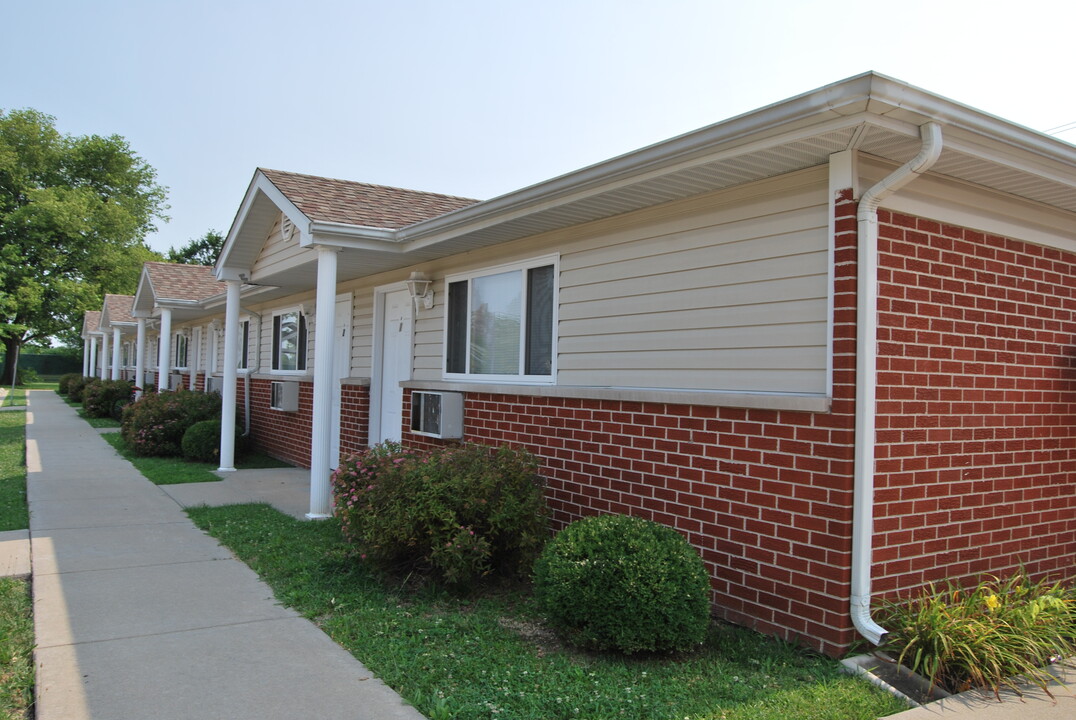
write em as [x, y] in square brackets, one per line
[11, 352]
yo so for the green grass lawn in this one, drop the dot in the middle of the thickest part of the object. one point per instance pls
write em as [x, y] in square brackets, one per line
[13, 513]
[489, 656]
[16, 398]
[16, 650]
[176, 471]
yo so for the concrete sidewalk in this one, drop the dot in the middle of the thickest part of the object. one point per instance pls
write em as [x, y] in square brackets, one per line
[1032, 704]
[139, 614]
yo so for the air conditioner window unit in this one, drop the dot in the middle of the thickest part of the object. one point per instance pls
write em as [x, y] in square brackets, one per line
[437, 414]
[284, 396]
[214, 384]
[151, 380]
[175, 381]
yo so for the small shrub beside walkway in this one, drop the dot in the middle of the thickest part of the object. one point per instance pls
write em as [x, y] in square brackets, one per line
[489, 656]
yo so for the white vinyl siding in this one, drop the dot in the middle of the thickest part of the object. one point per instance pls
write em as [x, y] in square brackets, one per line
[278, 255]
[725, 292]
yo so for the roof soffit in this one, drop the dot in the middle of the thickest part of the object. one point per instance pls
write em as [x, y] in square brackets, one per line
[870, 112]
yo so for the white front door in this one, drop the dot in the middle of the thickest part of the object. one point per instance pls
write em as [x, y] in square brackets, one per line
[394, 364]
[341, 369]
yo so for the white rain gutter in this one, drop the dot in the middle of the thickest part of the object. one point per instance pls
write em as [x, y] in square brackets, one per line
[867, 375]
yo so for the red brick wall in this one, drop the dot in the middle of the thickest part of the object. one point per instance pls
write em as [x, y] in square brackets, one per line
[977, 405]
[283, 435]
[764, 495]
[354, 419]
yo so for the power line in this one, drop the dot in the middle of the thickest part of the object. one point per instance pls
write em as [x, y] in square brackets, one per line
[1061, 128]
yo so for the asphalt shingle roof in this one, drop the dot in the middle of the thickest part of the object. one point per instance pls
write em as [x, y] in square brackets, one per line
[118, 308]
[92, 321]
[354, 203]
[172, 281]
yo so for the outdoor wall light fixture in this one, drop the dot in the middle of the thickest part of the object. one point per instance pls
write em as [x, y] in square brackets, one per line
[420, 288]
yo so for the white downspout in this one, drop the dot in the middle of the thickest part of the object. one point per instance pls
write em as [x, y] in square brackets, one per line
[140, 358]
[251, 370]
[867, 375]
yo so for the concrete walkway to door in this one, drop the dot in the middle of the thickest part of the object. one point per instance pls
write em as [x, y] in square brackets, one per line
[138, 614]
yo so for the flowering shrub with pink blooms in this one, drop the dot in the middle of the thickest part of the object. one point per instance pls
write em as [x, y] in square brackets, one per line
[100, 398]
[458, 513]
[156, 423]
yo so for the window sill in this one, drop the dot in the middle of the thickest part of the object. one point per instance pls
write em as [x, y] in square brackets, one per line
[802, 402]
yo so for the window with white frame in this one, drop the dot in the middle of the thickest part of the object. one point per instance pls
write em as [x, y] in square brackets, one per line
[289, 341]
[499, 323]
[180, 354]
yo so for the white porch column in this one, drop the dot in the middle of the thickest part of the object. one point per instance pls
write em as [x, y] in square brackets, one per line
[85, 356]
[231, 360]
[93, 358]
[196, 337]
[164, 361]
[117, 346]
[140, 357]
[321, 465]
[104, 355]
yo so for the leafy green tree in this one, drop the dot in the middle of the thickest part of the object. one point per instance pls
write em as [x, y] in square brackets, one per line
[74, 214]
[199, 251]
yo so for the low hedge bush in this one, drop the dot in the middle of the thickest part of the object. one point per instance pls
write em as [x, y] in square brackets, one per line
[65, 382]
[156, 423]
[457, 513]
[75, 386]
[625, 584]
[27, 376]
[987, 636]
[100, 397]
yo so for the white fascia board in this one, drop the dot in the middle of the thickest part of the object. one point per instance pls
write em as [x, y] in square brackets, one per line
[144, 296]
[425, 235]
[993, 131]
[245, 292]
[870, 98]
[259, 184]
[768, 126]
[178, 303]
[352, 237]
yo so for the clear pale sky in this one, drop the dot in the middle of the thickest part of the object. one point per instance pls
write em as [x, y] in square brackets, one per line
[481, 97]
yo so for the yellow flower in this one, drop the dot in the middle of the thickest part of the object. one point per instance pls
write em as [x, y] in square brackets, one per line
[992, 602]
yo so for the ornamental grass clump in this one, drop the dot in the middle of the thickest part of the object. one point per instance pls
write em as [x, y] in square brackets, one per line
[990, 636]
[614, 582]
[156, 423]
[455, 513]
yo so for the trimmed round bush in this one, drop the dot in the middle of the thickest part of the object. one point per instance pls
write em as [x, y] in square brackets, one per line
[201, 442]
[155, 425]
[626, 584]
[99, 397]
[457, 513]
